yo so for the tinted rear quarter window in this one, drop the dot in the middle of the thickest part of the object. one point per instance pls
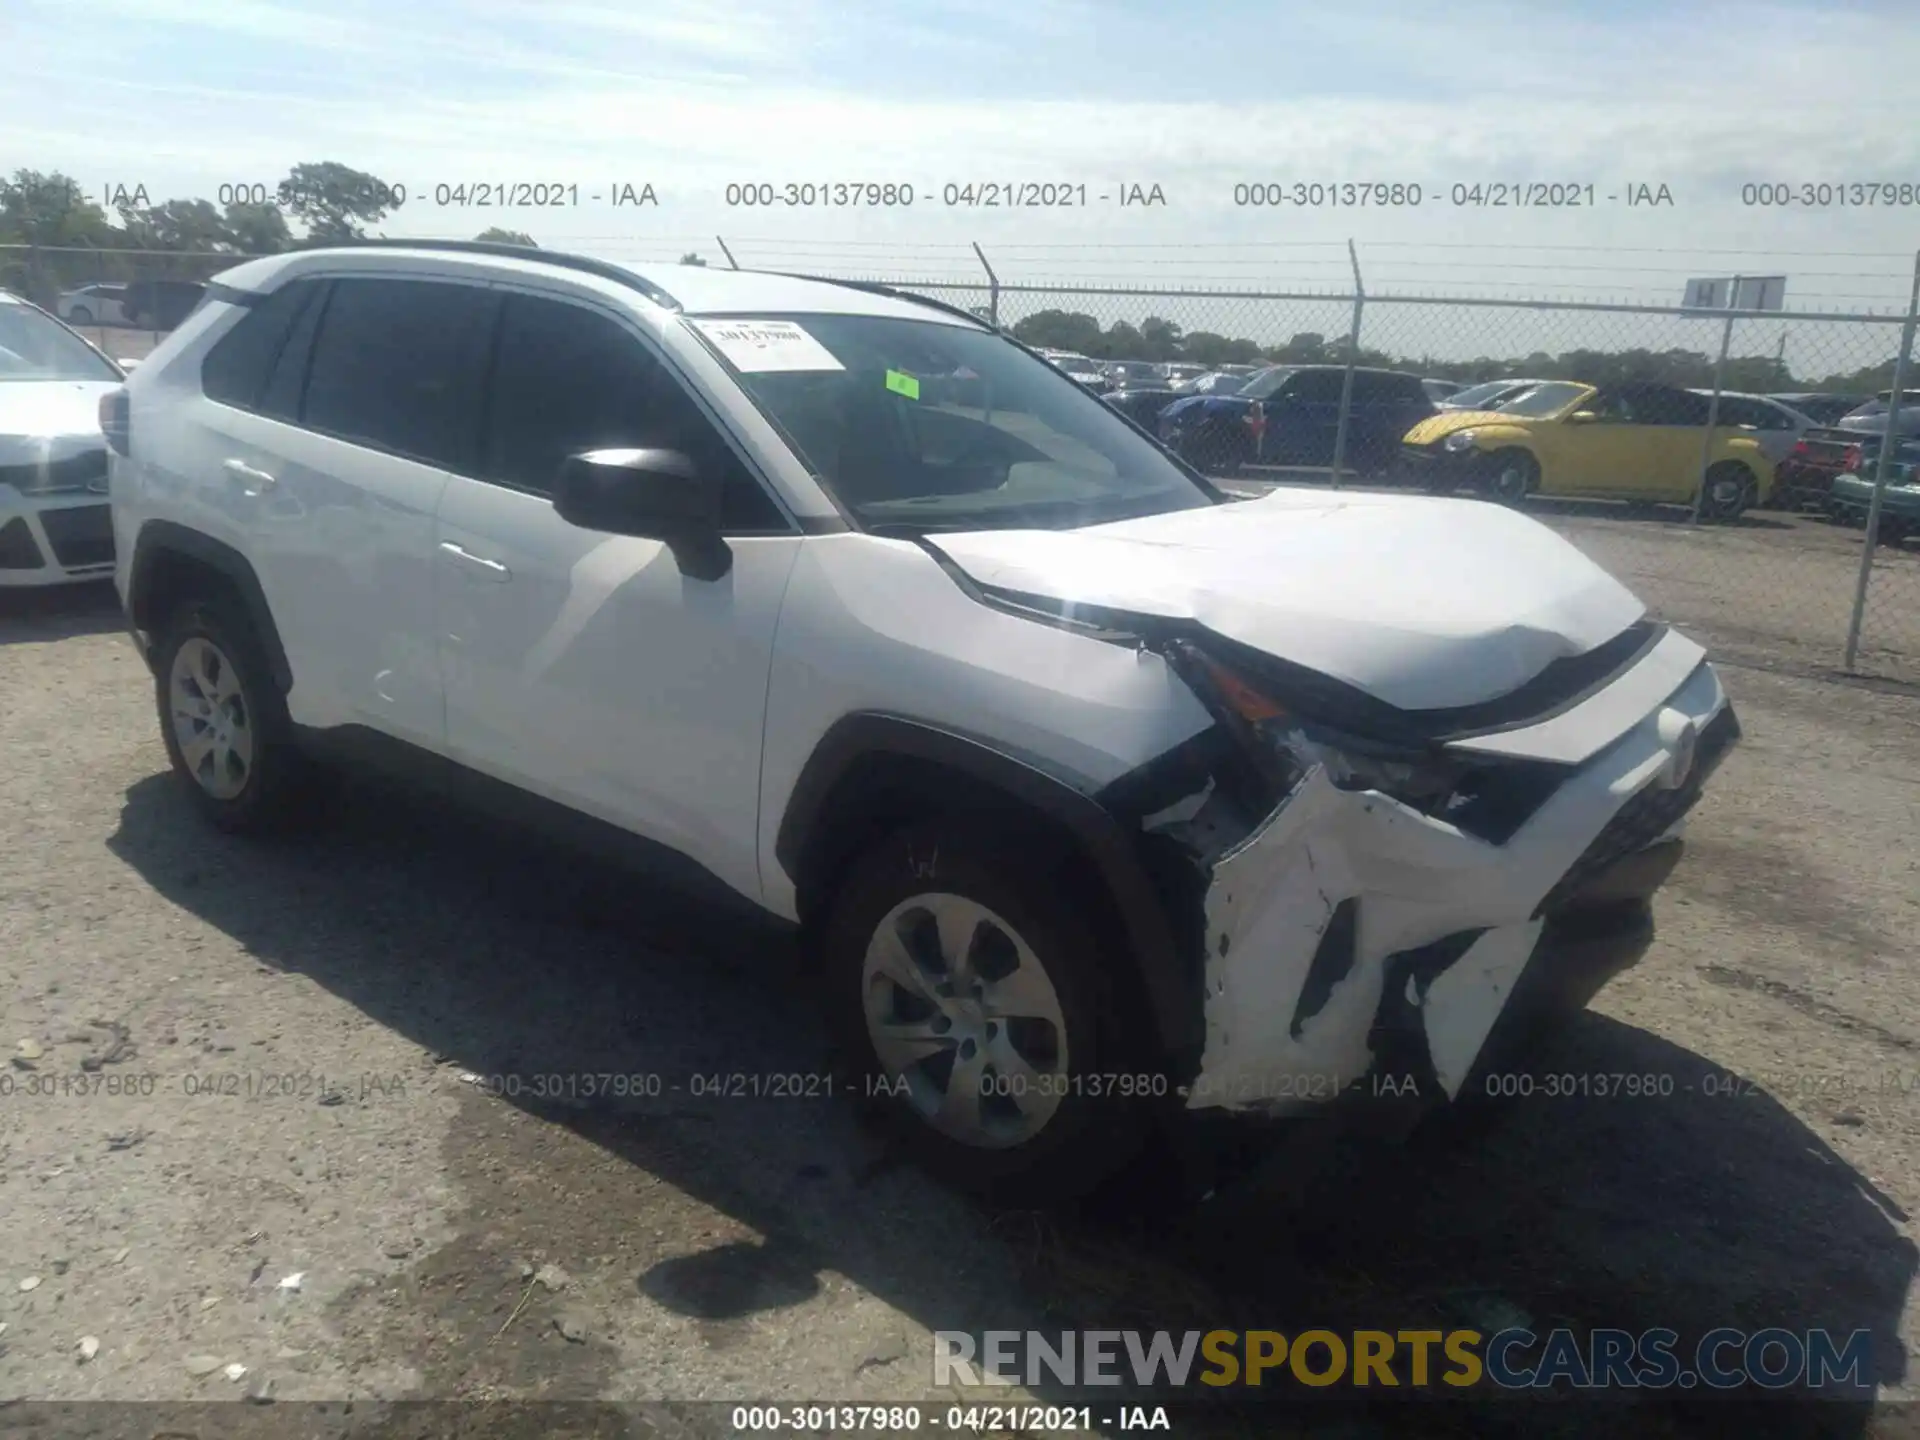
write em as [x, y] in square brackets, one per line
[397, 365]
[1318, 387]
[236, 368]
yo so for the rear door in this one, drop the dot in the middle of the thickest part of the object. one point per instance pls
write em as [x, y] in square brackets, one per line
[1385, 407]
[586, 667]
[336, 471]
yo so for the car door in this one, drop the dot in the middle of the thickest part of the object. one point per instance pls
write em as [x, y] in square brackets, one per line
[336, 470]
[1302, 416]
[1614, 453]
[587, 667]
[336, 408]
[1676, 426]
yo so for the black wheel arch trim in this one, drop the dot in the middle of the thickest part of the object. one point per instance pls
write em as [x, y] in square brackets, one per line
[161, 537]
[1173, 996]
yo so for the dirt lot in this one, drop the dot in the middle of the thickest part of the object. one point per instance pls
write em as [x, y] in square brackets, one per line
[294, 1029]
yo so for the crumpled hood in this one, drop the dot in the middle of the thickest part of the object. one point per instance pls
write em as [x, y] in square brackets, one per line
[49, 418]
[1421, 602]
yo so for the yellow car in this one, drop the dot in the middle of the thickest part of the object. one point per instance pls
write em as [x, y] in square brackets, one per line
[1635, 442]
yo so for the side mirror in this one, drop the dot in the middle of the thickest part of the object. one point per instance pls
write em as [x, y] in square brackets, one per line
[1582, 417]
[652, 494]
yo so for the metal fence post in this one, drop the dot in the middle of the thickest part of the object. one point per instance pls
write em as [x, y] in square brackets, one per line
[726, 252]
[1882, 470]
[1713, 405]
[1353, 354]
[993, 287]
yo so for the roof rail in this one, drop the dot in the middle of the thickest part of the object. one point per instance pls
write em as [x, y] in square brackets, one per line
[875, 287]
[566, 260]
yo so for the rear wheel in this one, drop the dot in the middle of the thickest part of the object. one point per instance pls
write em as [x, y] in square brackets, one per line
[80, 315]
[223, 720]
[965, 989]
[1730, 491]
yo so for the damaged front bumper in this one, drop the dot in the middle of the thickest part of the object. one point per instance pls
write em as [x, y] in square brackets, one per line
[1351, 935]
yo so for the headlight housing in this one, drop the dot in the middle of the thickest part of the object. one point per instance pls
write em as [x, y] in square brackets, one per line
[1459, 440]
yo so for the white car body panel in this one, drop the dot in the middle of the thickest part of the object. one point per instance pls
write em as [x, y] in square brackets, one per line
[45, 422]
[1421, 602]
[875, 625]
[1421, 880]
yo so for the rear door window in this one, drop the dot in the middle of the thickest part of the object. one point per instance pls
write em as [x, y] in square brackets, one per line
[398, 366]
[235, 370]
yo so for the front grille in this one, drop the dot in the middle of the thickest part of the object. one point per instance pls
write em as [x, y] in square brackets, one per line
[80, 536]
[85, 471]
[1647, 816]
[17, 550]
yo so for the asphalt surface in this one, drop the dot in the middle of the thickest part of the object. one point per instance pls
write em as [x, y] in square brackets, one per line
[232, 1064]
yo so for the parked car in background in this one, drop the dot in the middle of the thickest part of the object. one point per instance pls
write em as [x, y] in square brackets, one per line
[1290, 414]
[1822, 408]
[1142, 404]
[1776, 427]
[99, 304]
[1248, 370]
[1635, 441]
[1805, 476]
[1215, 382]
[1487, 395]
[55, 526]
[160, 304]
[1178, 373]
[1438, 390]
[1124, 374]
[1850, 499]
[1090, 373]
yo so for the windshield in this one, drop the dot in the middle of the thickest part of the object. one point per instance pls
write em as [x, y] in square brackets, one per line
[32, 347]
[1475, 396]
[915, 426]
[1260, 386]
[1544, 400]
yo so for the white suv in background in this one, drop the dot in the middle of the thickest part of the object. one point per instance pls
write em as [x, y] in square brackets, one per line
[55, 528]
[1098, 797]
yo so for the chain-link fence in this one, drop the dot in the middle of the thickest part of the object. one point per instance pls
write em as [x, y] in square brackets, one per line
[1793, 581]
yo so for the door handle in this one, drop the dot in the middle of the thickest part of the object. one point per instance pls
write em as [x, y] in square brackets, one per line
[492, 569]
[254, 479]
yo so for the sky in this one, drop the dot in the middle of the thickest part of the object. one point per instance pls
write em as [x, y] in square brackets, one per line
[183, 96]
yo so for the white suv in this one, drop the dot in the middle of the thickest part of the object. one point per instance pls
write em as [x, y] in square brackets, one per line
[1098, 796]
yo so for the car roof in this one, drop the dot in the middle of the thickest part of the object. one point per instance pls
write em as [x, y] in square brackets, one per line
[690, 289]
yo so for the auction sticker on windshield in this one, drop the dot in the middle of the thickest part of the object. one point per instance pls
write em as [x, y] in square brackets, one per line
[762, 345]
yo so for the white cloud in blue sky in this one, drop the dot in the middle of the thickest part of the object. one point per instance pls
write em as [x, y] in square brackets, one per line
[182, 95]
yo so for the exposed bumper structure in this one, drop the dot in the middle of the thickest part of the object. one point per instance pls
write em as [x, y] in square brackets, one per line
[1351, 934]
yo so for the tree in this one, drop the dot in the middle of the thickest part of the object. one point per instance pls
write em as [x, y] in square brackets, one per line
[506, 237]
[1307, 347]
[51, 209]
[175, 225]
[691, 259]
[1159, 339]
[257, 229]
[1061, 330]
[1123, 342]
[334, 201]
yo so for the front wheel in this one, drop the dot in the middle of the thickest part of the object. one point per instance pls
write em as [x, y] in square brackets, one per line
[1730, 492]
[1508, 476]
[966, 990]
[80, 315]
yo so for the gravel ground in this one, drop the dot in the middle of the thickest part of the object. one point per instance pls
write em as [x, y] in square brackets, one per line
[273, 1061]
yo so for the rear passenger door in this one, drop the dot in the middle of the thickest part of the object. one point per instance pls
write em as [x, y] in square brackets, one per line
[587, 667]
[1301, 419]
[350, 397]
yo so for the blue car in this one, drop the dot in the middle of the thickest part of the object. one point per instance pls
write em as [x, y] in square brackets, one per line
[1289, 415]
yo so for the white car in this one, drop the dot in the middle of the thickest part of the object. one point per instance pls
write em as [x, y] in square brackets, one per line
[1775, 427]
[55, 527]
[1098, 798]
[92, 305]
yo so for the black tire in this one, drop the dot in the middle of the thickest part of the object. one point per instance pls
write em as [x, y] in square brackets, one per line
[1038, 894]
[80, 316]
[1507, 477]
[1731, 490]
[274, 789]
